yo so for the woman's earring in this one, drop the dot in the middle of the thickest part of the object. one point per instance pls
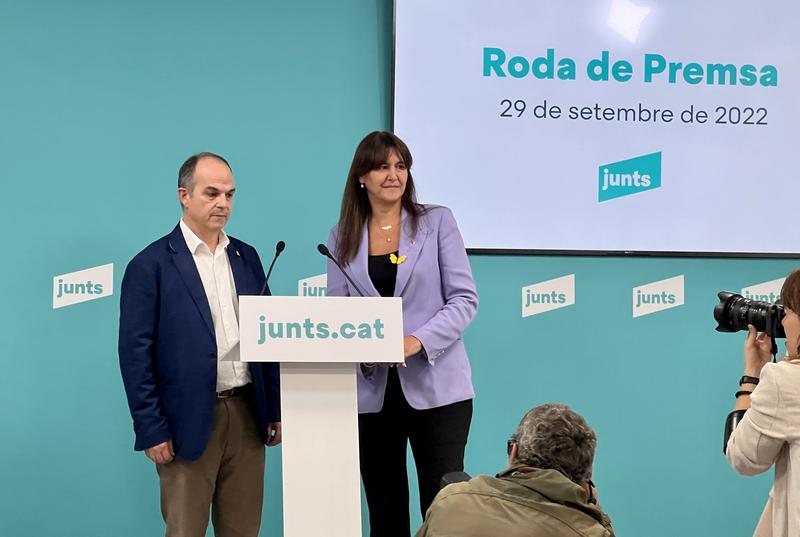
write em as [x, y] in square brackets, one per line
[362, 185]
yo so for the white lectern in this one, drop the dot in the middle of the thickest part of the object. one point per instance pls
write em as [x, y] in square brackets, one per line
[319, 341]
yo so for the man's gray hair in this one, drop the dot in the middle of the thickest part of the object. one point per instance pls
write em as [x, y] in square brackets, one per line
[186, 172]
[554, 437]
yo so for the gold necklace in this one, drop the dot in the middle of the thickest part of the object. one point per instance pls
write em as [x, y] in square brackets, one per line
[388, 229]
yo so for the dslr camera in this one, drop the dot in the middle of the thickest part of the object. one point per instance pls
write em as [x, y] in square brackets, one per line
[734, 312]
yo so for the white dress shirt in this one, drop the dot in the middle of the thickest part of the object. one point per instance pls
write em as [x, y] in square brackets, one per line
[217, 277]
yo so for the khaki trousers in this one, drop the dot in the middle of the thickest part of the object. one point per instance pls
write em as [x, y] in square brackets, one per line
[228, 478]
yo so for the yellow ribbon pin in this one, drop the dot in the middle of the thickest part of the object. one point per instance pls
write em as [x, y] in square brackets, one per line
[397, 260]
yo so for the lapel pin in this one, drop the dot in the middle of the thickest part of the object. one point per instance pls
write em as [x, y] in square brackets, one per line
[238, 254]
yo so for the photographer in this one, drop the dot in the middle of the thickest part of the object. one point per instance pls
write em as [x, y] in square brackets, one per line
[546, 491]
[764, 426]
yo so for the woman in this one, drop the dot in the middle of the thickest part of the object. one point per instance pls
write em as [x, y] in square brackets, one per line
[393, 246]
[768, 415]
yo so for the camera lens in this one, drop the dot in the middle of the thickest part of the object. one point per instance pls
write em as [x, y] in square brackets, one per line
[734, 313]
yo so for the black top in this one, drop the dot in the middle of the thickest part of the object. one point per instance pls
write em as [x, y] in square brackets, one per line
[383, 273]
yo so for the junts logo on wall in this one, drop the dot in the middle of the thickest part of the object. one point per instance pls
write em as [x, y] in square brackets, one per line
[548, 295]
[766, 292]
[658, 296]
[313, 285]
[83, 285]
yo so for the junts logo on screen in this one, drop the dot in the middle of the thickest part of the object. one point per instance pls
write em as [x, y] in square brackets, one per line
[309, 329]
[629, 176]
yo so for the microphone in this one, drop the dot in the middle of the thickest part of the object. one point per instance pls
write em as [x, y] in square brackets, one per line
[327, 253]
[278, 249]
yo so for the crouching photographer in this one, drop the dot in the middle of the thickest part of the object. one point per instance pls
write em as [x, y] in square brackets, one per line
[764, 427]
[546, 491]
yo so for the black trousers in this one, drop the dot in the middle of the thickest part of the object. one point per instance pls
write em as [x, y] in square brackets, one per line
[438, 437]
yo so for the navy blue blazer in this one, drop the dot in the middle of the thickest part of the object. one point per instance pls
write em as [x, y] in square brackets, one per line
[168, 350]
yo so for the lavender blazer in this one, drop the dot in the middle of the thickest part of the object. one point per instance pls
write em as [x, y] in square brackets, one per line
[439, 302]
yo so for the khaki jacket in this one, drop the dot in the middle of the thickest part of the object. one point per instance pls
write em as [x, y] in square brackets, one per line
[516, 503]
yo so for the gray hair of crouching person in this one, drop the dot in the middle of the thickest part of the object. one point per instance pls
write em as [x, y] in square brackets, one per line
[554, 437]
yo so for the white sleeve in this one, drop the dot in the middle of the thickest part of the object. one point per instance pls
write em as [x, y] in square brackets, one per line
[758, 439]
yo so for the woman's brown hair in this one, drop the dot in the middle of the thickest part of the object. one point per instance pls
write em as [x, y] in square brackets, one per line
[790, 298]
[371, 153]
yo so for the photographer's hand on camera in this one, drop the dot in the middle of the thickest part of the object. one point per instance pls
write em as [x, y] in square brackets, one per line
[757, 352]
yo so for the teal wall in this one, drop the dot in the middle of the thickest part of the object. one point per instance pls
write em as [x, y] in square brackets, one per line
[101, 101]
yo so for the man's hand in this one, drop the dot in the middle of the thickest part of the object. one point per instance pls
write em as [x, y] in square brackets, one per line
[274, 433]
[161, 453]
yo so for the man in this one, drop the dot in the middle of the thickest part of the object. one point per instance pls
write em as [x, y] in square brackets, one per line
[198, 412]
[546, 491]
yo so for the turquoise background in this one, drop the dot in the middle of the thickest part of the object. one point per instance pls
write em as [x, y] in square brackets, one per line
[102, 101]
